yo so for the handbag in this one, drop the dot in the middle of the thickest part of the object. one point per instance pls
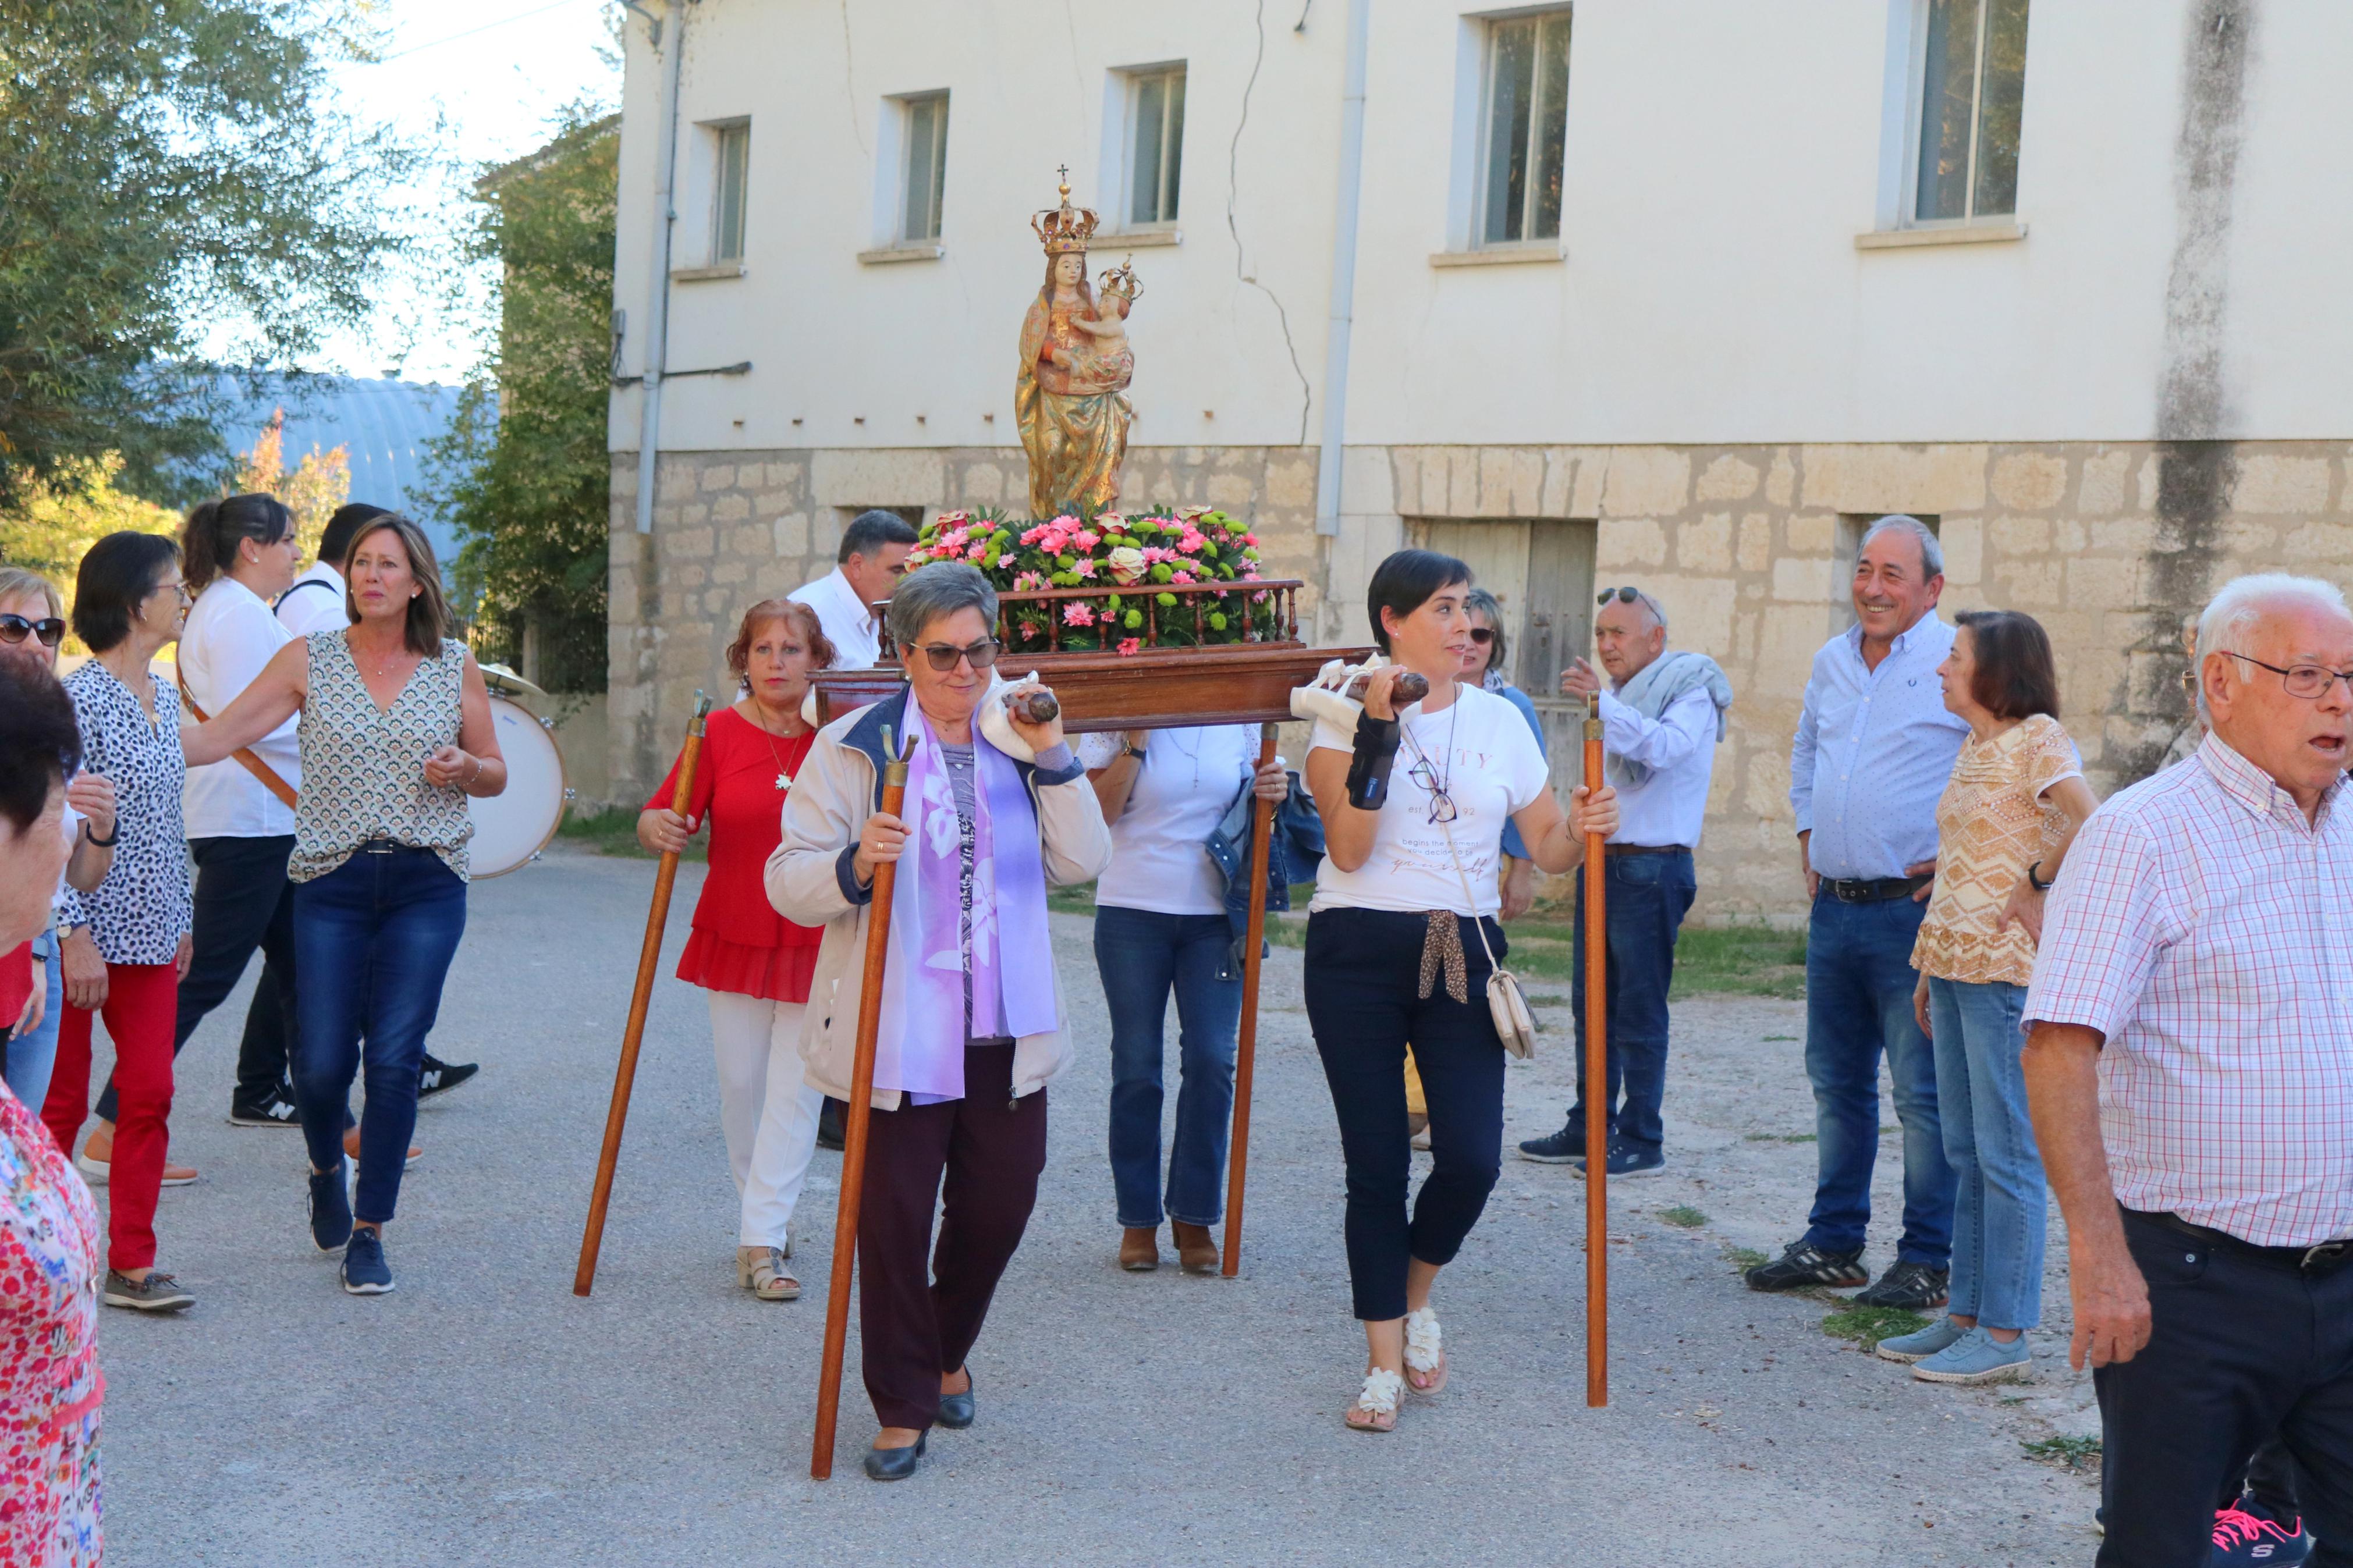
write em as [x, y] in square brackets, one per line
[1516, 1025]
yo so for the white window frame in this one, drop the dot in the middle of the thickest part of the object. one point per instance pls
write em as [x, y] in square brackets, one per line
[902, 167]
[1480, 147]
[721, 132]
[1130, 84]
[1916, 68]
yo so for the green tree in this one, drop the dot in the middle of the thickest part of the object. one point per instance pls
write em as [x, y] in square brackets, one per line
[311, 490]
[55, 520]
[523, 473]
[172, 173]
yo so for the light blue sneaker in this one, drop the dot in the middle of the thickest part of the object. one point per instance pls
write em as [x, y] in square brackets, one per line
[1978, 1357]
[1921, 1343]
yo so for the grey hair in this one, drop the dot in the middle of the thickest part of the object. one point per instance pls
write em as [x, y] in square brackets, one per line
[1932, 553]
[941, 588]
[2231, 615]
[1487, 604]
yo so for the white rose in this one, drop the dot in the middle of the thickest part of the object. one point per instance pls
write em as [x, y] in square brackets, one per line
[1127, 564]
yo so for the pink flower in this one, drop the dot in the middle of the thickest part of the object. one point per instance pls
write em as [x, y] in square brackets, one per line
[1032, 535]
[1192, 542]
[1087, 539]
[1154, 555]
[954, 517]
[1055, 542]
[1028, 582]
[1128, 645]
[1076, 614]
[1085, 568]
[1182, 577]
[1065, 523]
[979, 549]
[1250, 538]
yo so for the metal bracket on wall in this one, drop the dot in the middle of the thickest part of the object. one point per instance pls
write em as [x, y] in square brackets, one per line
[740, 367]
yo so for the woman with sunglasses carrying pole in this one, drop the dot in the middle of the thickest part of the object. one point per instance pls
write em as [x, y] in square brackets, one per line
[1401, 938]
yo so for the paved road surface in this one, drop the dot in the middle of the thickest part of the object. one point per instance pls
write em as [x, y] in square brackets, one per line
[483, 1415]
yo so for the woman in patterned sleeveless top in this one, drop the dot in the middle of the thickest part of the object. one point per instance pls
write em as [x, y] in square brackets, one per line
[396, 732]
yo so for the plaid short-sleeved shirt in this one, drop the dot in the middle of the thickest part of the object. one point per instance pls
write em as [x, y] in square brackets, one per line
[2206, 929]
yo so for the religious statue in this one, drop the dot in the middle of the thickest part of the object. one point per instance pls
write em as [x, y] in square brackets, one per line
[1069, 396]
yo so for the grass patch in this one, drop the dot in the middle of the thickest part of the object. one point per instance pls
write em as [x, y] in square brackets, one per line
[1780, 1137]
[1749, 961]
[1866, 1326]
[2071, 1453]
[1744, 1258]
[1077, 901]
[615, 832]
[1683, 1215]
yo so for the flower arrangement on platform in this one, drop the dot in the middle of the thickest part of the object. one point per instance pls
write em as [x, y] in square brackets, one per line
[1165, 577]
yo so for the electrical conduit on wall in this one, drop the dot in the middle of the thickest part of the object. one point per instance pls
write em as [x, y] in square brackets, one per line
[1343, 271]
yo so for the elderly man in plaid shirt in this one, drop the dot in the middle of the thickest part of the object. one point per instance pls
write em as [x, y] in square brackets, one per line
[2190, 1064]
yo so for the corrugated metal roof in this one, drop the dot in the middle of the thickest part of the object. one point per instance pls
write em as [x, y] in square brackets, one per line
[384, 425]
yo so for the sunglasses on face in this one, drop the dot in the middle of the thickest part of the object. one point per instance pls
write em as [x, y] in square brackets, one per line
[943, 656]
[1482, 636]
[16, 628]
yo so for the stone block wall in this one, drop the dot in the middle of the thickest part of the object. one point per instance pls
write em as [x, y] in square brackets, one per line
[2110, 545]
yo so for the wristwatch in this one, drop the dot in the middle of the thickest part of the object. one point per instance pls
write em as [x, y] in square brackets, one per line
[2035, 881]
[1130, 749]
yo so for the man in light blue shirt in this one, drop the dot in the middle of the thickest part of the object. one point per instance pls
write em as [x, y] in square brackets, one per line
[1874, 747]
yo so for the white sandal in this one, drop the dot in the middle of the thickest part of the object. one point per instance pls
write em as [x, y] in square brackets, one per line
[1425, 1350]
[761, 1271]
[1375, 1407]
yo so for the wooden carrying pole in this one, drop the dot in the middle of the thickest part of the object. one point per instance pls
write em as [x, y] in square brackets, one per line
[624, 1076]
[1597, 1089]
[1246, 1038]
[860, 1109]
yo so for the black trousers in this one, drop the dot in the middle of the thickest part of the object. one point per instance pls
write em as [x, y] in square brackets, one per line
[1364, 974]
[243, 900]
[2242, 1347]
[919, 1315]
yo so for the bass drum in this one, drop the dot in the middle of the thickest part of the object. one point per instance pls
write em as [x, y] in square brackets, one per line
[512, 827]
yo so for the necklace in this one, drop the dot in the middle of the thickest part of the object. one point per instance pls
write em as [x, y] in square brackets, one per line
[1193, 755]
[784, 776]
[1432, 780]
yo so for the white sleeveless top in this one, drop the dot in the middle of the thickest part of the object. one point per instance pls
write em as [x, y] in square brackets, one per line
[364, 768]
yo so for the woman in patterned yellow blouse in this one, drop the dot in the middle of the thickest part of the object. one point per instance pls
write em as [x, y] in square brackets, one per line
[2003, 825]
[396, 732]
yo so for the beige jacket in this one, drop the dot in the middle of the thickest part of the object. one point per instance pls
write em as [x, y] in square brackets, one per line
[810, 880]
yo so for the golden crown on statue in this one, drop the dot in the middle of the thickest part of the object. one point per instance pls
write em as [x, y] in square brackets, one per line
[1066, 227]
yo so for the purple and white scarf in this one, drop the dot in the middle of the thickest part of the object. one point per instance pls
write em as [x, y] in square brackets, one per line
[920, 1048]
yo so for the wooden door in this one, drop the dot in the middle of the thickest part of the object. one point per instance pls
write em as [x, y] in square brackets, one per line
[1558, 628]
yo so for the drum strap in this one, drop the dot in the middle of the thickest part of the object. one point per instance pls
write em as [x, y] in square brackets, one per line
[244, 755]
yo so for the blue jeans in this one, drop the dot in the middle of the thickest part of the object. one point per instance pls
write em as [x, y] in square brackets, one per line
[1143, 955]
[32, 1053]
[1859, 987]
[1998, 1219]
[1643, 905]
[373, 941]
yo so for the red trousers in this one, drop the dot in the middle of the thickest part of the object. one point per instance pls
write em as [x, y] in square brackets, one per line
[141, 1007]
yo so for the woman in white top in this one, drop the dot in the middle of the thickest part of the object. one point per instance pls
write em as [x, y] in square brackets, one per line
[1414, 806]
[1161, 925]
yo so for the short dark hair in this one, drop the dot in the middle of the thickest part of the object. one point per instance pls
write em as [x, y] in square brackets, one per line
[2015, 676]
[1405, 582]
[344, 529]
[869, 530]
[115, 578]
[41, 744]
[209, 538]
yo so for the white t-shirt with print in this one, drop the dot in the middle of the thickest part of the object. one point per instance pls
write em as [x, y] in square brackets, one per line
[1189, 777]
[1481, 753]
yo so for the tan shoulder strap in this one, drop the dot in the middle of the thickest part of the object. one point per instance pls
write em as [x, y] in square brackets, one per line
[243, 756]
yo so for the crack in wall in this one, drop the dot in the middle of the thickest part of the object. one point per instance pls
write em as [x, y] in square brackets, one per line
[1233, 181]
[848, 81]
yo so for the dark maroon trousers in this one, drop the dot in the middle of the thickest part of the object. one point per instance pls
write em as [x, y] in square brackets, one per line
[918, 1322]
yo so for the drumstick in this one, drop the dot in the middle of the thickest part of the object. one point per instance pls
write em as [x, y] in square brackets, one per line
[1405, 691]
[854, 1125]
[592, 1238]
[1596, 1088]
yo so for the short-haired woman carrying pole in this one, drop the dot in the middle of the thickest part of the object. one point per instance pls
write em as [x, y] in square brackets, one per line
[396, 732]
[1398, 938]
[2003, 825]
[971, 1024]
[754, 963]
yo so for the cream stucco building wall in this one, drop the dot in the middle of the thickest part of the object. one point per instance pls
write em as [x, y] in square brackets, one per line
[1723, 368]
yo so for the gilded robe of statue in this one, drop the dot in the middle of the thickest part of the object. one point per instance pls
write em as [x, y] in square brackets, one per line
[1068, 397]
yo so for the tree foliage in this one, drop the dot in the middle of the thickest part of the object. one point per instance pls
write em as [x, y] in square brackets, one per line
[523, 473]
[54, 520]
[311, 490]
[173, 173]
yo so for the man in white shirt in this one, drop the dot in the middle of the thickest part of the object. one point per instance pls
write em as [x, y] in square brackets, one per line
[872, 558]
[315, 601]
[1662, 715]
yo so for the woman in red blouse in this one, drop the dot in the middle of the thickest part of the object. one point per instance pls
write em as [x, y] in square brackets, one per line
[754, 964]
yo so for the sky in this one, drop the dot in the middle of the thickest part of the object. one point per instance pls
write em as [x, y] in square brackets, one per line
[495, 72]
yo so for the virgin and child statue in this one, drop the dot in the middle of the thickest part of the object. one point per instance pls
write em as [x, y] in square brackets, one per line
[1070, 395]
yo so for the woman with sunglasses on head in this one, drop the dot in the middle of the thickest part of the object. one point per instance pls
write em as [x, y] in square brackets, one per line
[754, 963]
[128, 603]
[396, 734]
[1399, 939]
[32, 985]
[972, 1027]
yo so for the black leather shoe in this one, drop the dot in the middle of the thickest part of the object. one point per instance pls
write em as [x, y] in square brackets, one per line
[894, 1464]
[832, 1124]
[956, 1409]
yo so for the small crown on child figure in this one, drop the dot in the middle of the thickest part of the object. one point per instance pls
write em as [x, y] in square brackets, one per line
[1064, 228]
[1122, 280]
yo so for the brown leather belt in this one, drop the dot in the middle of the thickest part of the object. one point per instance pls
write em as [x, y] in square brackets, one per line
[1644, 849]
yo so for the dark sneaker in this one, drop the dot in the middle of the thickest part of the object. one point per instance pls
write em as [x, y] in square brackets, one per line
[1566, 1147]
[439, 1076]
[832, 1125]
[1914, 1287]
[1802, 1263]
[2250, 1534]
[331, 1210]
[159, 1292]
[276, 1109]
[366, 1273]
[1625, 1159]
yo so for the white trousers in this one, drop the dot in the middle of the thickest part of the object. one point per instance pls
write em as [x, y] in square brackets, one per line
[767, 1112]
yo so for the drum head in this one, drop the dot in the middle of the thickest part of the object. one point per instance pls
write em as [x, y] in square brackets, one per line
[515, 824]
